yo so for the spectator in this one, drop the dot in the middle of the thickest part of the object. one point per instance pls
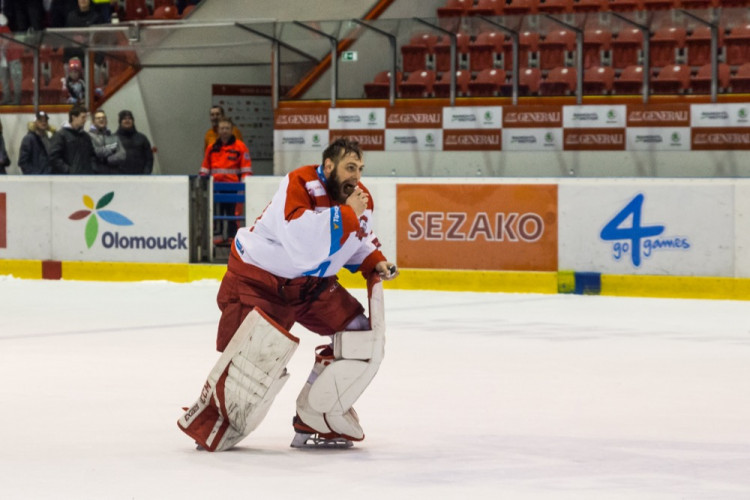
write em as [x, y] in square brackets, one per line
[33, 157]
[11, 68]
[139, 158]
[25, 14]
[212, 134]
[104, 9]
[227, 160]
[59, 10]
[74, 82]
[4, 158]
[72, 151]
[82, 17]
[108, 150]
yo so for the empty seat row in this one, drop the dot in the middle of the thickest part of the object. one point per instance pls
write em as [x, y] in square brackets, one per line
[561, 81]
[492, 49]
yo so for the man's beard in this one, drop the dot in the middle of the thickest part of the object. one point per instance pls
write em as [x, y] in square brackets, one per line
[336, 190]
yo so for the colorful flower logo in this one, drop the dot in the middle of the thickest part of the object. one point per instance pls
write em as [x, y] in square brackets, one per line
[92, 225]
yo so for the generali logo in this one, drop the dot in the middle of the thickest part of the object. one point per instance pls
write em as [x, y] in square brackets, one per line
[3, 221]
[419, 118]
[533, 117]
[301, 119]
[594, 139]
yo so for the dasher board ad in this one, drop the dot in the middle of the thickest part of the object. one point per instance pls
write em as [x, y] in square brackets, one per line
[640, 228]
[477, 226]
[142, 220]
[25, 225]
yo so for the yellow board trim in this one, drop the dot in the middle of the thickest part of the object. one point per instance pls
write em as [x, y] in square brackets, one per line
[26, 269]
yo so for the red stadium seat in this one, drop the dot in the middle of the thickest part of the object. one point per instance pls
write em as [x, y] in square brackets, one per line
[672, 79]
[520, 7]
[380, 87]
[630, 81]
[418, 84]
[625, 5]
[598, 80]
[555, 6]
[698, 45]
[559, 81]
[487, 8]
[487, 83]
[486, 50]
[664, 45]
[414, 54]
[529, 80]
[135, 9]
[166, 12]
[454, 8]
[701, 82]
[737, 44]
[591, 6]
[163, 3]
[626, 47]
[528, 47]
[699, 4]
[740, 82]
[660, 4]
[554, 48]
[442, 87]
[595, 43]
[443, 51]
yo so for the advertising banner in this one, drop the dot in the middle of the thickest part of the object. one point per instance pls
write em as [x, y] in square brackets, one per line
[659, 115]
[532, 117]
[472, 140]
[658, 139]
[414, 118]
[25, 225]
[466, 117]
[679, 229]
[356, 118]
[533, 139]
[477, 226]
[594, 139]
[369, 140]
[613, 116]
[717, 138]
[420, 139]
[144, 220]
[300, 140]
[301, 118]
[720, 115]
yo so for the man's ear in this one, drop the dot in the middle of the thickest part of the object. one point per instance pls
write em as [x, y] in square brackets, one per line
[328, 166]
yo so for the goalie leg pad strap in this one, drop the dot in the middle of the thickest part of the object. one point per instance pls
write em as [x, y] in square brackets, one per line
[242, 385]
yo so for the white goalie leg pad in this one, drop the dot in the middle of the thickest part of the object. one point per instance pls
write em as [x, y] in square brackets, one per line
[242, 385]
[326, 402]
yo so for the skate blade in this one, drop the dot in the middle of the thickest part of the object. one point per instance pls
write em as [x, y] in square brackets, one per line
[314, 441]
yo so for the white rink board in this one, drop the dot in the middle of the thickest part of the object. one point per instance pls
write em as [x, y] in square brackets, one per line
[27, 217]
[742, 230]
[156, 206]
[696, 223]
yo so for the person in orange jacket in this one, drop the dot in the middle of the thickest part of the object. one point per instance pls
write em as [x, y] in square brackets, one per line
[227, 160]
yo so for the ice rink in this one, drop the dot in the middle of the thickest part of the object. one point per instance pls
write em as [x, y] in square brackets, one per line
[480, 396]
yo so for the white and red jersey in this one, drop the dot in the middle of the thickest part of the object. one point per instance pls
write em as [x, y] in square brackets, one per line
[303, 232]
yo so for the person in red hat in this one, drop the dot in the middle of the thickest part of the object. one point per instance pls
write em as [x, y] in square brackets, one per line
[74, 82]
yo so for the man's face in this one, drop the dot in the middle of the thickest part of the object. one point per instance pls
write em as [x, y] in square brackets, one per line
[126, 122]
[84, 4]
[215, 114]
[225, 131]
[42, 124]
[100, 121]
[77, 122]
[343, 176]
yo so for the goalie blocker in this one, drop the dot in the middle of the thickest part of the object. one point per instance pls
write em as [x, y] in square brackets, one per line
[242, 385]
[340, 376]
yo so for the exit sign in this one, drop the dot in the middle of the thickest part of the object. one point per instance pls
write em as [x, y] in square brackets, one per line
[349, 55]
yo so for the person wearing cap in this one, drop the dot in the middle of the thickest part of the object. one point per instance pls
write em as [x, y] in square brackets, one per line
[72, 151]
[108, 150]
[215, 114]
[139, 158]
[74, 82]
[33, 156]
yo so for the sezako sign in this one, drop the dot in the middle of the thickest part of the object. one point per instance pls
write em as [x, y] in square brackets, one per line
[139, 220]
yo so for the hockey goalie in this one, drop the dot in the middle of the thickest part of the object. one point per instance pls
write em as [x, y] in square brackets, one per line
[282, 271]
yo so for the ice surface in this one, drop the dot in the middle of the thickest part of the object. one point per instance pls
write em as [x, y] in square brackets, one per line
[480, 396]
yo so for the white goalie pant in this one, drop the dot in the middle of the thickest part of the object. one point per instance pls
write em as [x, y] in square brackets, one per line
[326, 400]
[242, 385]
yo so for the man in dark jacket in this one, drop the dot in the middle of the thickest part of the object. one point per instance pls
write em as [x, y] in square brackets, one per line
[33, 157]
[139, 159]
[72, 151]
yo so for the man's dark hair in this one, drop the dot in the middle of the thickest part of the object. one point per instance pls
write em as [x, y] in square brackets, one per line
[221, 110]
[227, 120]
[77, 110]
[340, 148]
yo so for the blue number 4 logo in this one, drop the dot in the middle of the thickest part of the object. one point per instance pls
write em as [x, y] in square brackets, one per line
[635, 233]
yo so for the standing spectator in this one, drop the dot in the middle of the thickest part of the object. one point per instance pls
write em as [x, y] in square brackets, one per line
[104, 9]
[72, 151]
[33, 157]
[139, 158]
[215, 114]
[11, 68]
[108, 150]
[4, 158]
[74, 82]
[82, 17]
[227, 160]
[25, 14]
[58, 12]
